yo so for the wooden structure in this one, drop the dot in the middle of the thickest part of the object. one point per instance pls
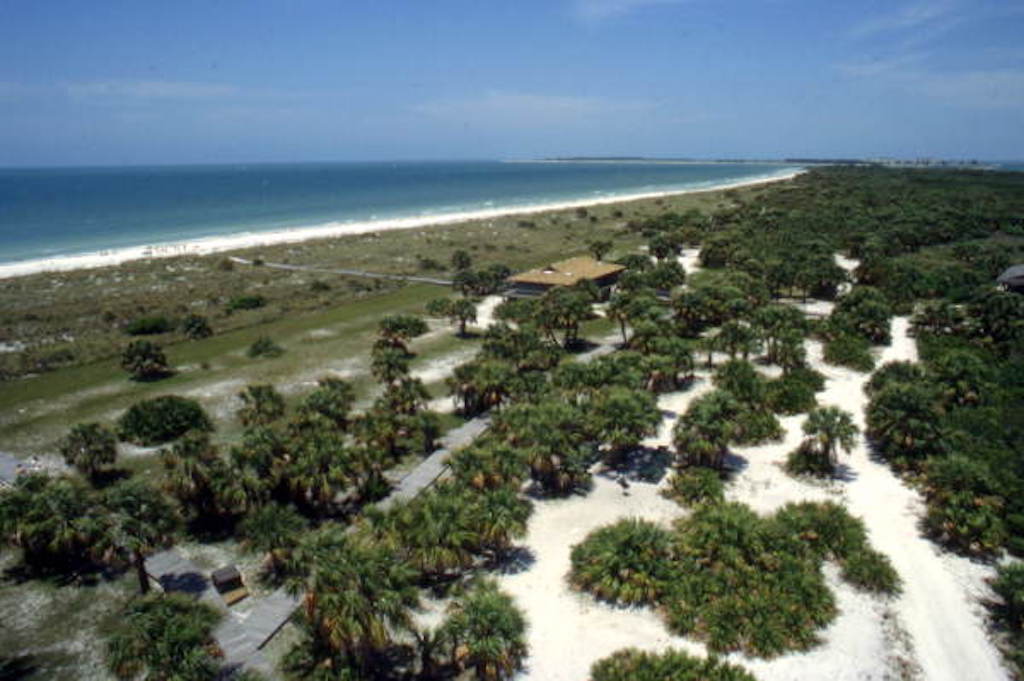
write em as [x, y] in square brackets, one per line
[565, 273]
[228, 582]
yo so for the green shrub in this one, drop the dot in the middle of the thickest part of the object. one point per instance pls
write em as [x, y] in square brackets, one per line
[694, 486]
[965, 509]
[626, 563]
[147, 326]
[904, 423]
[850, 351]
[756, 426]
[250, 302]
[807, 459]
[672, 665]
[733, 579]
[264, 347]
[196, 327]
[1009, 585]
[762, 597]
[89, 447]
[828, 532]
[895, 372]
[162, 419]
[788, 395]
[145, 361]
[871, 571]
[1009, 615]
[164, 636]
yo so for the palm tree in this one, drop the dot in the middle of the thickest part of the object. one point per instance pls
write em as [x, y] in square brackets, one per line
[497, 517]
[55, 521]
[202, 481]
[738, 338]
[551, 434]
[742, 380]
[486, 631]
[395, 331]
[145, 361]
[563, 309]
[701, 436]
[405, 396]
[831, 428]
[262, 405]
[89, 447]
[621, 418]
[599, 248]
[433, 533]
[389, 364]
[904, 421]
[141, 519]
[355, 594]
[332, 399]
[481, 385]
[774, 323]
[790, 352]
[275, 531]
[485, 467]
[318, 470]
[165, 636]
[963, 377]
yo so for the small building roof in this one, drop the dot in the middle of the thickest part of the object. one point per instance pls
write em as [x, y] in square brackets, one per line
[567, 272]
[1013, 276]
[225, 576]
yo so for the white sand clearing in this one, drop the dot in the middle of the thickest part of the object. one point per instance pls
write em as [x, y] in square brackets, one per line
[569, 631]
[442, 367]
[485, 311]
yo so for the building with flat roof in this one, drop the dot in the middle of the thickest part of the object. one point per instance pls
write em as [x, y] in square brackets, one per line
[564, 273]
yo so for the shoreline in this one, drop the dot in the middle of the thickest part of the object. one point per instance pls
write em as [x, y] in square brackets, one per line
[242, 240]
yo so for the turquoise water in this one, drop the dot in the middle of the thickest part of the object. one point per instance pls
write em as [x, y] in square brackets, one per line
[63, 211]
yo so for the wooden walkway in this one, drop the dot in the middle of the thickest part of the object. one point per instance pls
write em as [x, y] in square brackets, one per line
[240, 638]
[433, 467]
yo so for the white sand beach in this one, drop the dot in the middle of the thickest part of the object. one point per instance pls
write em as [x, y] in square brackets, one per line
[232, 242]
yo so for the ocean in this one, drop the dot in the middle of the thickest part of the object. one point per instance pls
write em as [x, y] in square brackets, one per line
[50, 213]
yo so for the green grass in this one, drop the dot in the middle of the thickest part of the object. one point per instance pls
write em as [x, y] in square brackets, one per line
[55, 631]
[53, 401]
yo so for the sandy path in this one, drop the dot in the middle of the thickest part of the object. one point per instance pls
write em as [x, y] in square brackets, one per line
[485, 311]
[946, 625]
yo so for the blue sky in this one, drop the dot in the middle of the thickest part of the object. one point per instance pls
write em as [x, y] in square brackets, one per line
[197, 81]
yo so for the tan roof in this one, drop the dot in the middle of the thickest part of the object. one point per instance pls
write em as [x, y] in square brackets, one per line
[567, 272]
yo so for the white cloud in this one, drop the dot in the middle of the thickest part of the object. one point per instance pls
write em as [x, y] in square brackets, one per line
[518, 109]
[595, 10]
[911, 17]
[150, 89]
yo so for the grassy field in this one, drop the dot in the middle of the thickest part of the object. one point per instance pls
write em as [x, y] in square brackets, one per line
[322, 331]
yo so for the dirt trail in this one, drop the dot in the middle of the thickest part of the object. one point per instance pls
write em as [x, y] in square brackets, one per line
[937, 610]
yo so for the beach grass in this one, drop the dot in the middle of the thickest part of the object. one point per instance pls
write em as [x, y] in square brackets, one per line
[319, 329]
